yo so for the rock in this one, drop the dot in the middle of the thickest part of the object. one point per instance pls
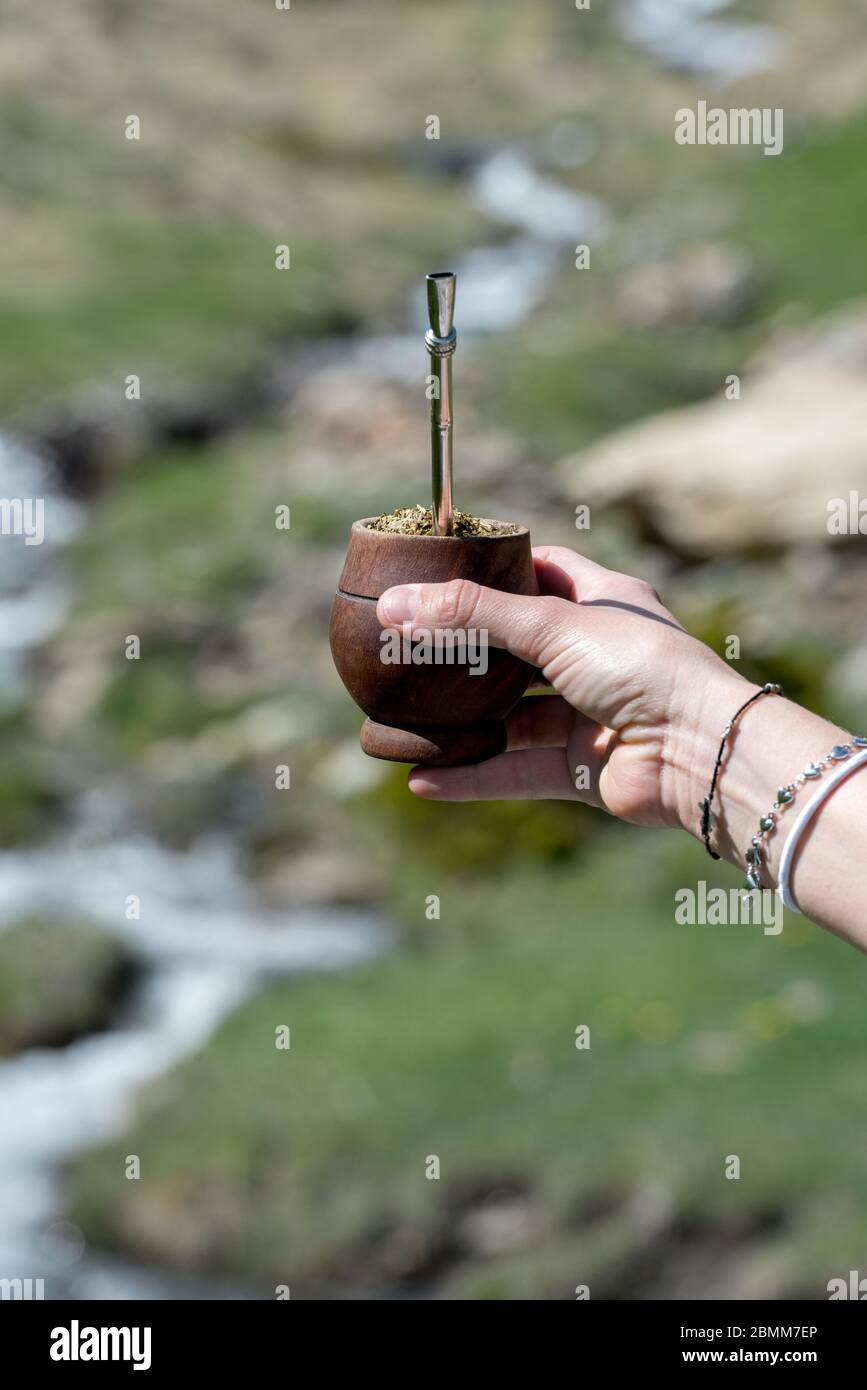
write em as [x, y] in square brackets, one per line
[361, 425]
[714, 283]
[315, 878]
[752, 474]
[350, 421]
[178, 1224]
[498, 1227]
[96, 430]
[59, 981]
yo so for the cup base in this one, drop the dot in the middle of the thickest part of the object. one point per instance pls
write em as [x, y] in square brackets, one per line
[434, 745]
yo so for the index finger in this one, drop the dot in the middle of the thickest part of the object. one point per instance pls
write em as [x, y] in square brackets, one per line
[533, 627]
[565, 573]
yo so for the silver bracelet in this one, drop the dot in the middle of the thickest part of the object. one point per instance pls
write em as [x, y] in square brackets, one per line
[806, 815]
[840, 753]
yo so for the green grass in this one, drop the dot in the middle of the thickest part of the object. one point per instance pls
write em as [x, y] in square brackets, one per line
[28, 782]
[800, 213]
[58, 981]
[159, 300]
[577, 374]
[187, 529]
[561, 394]
[298, 1165]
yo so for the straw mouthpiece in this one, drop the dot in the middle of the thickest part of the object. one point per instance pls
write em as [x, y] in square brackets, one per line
[441, 302]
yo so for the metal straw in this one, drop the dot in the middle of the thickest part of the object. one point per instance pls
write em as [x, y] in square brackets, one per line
[440, 341]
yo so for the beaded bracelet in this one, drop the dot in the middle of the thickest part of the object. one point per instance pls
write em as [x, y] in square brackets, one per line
[785, 796]
[705, 806]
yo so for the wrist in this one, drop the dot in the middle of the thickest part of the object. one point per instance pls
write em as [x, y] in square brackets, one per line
[713, 694]
[767, 748]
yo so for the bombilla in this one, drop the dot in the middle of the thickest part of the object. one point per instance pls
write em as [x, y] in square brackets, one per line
[440, 341]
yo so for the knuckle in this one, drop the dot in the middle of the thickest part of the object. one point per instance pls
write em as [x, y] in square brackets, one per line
[646, 589]
[554, 622]
[454, 603]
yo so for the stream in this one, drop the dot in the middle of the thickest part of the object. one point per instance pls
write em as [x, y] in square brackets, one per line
[204, 941]
[697, 36]
[204, 945]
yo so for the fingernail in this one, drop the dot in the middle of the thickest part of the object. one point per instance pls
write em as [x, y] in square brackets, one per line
[420, 784]
[399, 605]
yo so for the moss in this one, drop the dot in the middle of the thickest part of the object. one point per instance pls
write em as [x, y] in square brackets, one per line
[29, 793]
[58, 981]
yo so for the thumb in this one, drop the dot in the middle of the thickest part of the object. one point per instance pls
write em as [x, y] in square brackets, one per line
[531, 627]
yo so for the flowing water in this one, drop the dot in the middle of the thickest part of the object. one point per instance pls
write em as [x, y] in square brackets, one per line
[499, 286]
[696, 36]
[203, 945]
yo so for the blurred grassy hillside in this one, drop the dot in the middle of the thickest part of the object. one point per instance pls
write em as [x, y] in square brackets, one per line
[558, 1165]
[156, 257]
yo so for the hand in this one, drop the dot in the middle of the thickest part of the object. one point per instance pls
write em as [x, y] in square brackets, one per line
[631, 686]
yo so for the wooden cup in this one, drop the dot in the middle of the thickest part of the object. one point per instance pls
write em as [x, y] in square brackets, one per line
[427, 713]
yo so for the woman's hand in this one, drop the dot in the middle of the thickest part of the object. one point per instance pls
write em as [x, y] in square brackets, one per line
[630, 687]
[639, 710]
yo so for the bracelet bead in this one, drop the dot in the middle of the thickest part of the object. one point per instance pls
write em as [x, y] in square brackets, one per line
[785, 796]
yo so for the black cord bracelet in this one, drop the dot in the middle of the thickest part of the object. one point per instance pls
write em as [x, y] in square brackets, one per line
[704, 806]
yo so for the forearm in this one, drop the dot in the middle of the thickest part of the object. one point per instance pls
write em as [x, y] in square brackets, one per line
[768, 748]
